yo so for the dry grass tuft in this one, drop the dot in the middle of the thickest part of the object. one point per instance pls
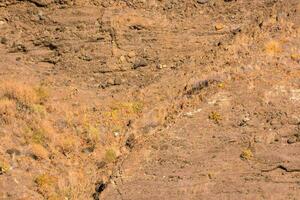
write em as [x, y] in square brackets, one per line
[273, 47]
[68, 144]
[22, 94]
[92, 133]
[38, 132]
[7, 110]
[47, 184]
[295, 57]
[42, 93]
[246, 154]
[215, 116]
[110, 156]
[4, 167]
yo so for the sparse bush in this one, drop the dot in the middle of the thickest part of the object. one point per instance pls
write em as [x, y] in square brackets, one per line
[110, 156]
[24, 95]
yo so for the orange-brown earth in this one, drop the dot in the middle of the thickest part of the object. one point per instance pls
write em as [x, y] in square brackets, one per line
[149, 99]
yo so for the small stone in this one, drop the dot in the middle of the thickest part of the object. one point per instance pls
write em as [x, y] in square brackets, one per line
[88, 150]
[118, 81]
[110, 81]
[20, 48]
[3, 40]
[219, 27]
[257, 139]
[130, 141]
[122, 59]
[100, 164]
[13, 151]
[41, 16]
[202, 1]
[140, 63]
[292, 140]
[41, 3]
[116, 134]
[38, 152]
[131, 54]
[85, 58]
[161, 66]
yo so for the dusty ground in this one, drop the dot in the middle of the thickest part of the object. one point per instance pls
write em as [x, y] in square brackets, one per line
[149, 99]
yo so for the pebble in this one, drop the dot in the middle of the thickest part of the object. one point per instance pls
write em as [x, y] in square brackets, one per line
[140, 63]
[3, 40]
[292, 140]
[122, 59]
[130, 141]
[131, 54]
[88, 150]
[202, 1]
[13, 151]
[219, 27]
[161, 66]
[118, 81]
[116, 134]
[38, 152]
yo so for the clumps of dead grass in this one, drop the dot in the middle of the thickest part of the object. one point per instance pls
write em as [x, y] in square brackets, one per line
[295, 57]
[247, 154]
[42, 93]
[18, 99]
[4, 167]
[92, 133]
[110, 156]
[116, 119]
[7, 110]
[38, 132]
[47, 185]
[20, 93]
[215, 117]
[24, 105]
[68, 144]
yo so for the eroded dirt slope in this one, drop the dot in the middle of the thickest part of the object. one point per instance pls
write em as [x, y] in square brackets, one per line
[149, 99]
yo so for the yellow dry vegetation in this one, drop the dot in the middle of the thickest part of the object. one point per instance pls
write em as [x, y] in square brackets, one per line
[47, 185]
[215, 116]
[246, 154]
[273, 47]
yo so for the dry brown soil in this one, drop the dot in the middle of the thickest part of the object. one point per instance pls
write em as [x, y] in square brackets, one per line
[149, 99]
